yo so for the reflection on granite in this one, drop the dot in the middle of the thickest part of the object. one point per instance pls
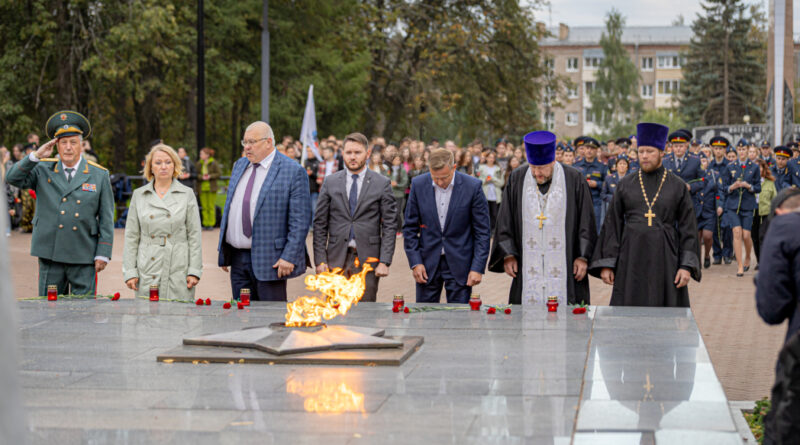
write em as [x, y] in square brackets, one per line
[613, 375]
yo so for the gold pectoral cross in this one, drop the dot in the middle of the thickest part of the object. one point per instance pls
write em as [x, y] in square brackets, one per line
[649, 215]
[541, 219]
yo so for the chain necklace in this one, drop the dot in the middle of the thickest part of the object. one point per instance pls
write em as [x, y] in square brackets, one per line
[650, 215]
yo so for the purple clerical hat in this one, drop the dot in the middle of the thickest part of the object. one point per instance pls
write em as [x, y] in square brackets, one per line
[651, 135]
[540, 147]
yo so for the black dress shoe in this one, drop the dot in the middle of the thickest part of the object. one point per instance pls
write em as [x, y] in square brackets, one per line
[707, 263]
[727, 260]
[717, 261]
[739, 274]
[746, 268]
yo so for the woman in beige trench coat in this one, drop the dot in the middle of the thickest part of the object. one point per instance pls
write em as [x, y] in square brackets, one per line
[162, 233]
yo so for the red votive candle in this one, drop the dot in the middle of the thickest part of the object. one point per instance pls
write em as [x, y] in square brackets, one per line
[52, 292]
[552, 304]
[398, 303]
[475, 302]
[244, 296]
[153, 292]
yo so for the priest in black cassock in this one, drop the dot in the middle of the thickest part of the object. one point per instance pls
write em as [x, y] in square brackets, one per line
[545, 232]
[648, 247]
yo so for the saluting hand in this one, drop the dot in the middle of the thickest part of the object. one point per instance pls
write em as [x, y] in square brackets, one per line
[45, 150]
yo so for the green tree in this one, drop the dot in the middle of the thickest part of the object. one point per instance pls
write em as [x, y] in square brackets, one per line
[474, 64]
[671, 117]
[723, 78]
[615, 98]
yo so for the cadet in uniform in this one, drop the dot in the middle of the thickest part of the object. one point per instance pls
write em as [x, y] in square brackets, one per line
[568, 157]
[741, 182]
[73, 227]
[710, 200]
[686, 166]
[785, 172]
[766, 154]
[595, 173]
[723, 236]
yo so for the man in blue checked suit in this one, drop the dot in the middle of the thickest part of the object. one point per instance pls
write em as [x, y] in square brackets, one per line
[262, 238]
[446, 231]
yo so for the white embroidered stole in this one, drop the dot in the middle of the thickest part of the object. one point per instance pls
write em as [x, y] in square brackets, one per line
[544, 250]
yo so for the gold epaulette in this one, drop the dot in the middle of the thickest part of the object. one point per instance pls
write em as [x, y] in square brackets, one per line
[95, 164]
[49, 159]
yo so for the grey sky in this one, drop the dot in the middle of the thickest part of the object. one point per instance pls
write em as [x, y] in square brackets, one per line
[637, 12]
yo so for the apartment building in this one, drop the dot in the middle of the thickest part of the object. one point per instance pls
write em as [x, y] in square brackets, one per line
[575, 53]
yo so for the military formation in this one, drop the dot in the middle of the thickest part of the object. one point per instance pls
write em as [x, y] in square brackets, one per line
[726, 183]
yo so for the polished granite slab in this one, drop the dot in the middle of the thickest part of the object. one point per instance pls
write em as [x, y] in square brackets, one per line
[613, 375]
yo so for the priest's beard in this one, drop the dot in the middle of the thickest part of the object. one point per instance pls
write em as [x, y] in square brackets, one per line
[652, 165]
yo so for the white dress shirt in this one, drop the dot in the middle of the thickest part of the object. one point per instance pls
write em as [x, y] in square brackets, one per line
[443, 202]
[348, 186]
[234, 234]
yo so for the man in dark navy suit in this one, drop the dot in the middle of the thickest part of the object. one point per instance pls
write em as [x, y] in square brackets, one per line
[446, 231]
[686, 166]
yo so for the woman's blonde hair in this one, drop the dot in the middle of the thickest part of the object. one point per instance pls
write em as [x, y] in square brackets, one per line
[176, 161]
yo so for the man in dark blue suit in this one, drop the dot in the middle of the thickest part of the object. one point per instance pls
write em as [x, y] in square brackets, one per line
[267, 214]
[686, 166]
[446, 231]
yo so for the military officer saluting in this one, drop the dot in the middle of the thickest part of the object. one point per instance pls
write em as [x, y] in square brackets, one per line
[73, 227]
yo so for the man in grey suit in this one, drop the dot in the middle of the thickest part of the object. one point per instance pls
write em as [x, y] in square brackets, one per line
[356, 217]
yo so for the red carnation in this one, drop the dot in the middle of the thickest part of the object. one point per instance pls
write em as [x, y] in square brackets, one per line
[405, 309]
[507, 311]
[491, 310]
[226, 305]
[395, 308]
[702, 179]
[744, 166]
[717, 197]
[199, 302]
[240, 305]
[208, 302]
[579, 310]
[115, 297]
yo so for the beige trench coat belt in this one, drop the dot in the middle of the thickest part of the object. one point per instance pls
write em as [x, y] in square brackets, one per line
[161, 240]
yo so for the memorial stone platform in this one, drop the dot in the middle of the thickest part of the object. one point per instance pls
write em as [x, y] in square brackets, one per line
[613, 375]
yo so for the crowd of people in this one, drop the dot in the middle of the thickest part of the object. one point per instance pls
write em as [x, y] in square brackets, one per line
[646, 214]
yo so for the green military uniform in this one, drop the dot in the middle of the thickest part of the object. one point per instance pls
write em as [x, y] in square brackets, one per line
[73, 223]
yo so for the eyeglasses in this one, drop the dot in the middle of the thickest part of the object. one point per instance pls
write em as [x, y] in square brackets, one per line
[245, 143]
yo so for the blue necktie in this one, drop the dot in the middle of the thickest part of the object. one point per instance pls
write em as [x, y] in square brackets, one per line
[353, 202]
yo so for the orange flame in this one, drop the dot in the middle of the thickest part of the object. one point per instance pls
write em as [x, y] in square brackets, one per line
[341, 293]
[327, 397]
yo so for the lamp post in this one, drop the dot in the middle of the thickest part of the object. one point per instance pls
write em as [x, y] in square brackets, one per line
[201, 80]
[265, 62]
